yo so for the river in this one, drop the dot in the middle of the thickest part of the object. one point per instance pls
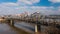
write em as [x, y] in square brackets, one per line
[7, 29]
[19, 28]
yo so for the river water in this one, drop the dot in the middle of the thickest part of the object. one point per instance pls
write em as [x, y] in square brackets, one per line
[7, 29]
[20, 28]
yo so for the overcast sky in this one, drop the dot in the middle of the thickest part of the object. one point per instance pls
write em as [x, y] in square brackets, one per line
[19, 6]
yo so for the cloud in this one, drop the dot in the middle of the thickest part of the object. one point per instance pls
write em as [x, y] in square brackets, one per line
[8, 8]
[9, 4]
[46, 10]
[43, 10]
[54, 1]
[29, 2]
[17, 8]
[12, 8]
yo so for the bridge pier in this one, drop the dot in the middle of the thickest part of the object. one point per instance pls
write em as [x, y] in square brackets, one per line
[37, 28]
[12, 22]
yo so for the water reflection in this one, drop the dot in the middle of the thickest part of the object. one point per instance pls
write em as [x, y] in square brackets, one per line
[6, 29]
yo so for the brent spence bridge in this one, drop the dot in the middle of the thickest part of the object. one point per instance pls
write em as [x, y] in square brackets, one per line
[38, 23]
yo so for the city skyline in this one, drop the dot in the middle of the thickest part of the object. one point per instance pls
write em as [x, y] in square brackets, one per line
[19, 6]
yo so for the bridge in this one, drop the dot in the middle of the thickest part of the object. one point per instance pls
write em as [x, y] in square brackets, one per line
[36, 22]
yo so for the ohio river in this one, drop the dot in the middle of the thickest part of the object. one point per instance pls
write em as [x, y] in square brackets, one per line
[21, 28]
[7, 29]
[18, 28]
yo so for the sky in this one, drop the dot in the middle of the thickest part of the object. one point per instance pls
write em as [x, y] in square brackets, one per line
[45, 7]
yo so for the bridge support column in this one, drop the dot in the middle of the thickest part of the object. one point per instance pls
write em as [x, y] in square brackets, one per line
[37, 28]
[12, 22]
